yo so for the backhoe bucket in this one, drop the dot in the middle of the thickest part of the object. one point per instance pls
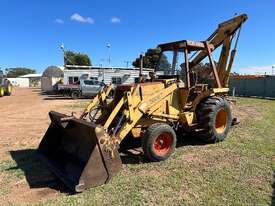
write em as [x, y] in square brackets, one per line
[72, 150]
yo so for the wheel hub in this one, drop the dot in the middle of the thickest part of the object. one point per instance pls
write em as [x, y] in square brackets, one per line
[221, 121]
[162, 144]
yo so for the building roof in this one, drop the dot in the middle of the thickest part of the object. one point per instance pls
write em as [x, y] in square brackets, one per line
[53, 71]
[61, 67]
[76, 67]
[31, 76]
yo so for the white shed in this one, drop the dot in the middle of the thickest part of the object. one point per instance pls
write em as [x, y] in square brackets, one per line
[34, 79]
[19, 82]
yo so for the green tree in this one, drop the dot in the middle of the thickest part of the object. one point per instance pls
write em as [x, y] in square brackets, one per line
[203, 72]
[19, 71]
[1, 73]
[153, 60]
[76, 58]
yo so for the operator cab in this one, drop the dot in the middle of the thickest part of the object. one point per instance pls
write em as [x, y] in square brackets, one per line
[175, 62]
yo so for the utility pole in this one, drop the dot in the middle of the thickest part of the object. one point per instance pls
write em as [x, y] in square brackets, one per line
[62, 47]
[101, 62]
[109, 53]
[140, 68]
[127, 63]
[102, 69]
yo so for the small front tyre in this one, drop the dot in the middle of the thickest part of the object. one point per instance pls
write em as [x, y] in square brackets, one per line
[159, 142]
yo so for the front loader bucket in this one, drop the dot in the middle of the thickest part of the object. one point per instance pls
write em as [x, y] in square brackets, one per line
[71, 148]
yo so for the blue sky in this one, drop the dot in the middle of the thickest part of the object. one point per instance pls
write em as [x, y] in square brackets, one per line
[32, 30]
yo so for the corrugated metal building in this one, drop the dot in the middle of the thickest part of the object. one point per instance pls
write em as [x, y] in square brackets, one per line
[116, 75]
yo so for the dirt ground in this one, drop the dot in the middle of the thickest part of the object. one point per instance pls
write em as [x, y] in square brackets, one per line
[23, 122]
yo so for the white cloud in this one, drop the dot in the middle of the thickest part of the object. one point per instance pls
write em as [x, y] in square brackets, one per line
[59, 21]
[268, 69]
[115, 20]
[77, 17]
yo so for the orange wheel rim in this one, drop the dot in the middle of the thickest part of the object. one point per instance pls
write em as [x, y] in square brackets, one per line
[221, 121]
[163, 144]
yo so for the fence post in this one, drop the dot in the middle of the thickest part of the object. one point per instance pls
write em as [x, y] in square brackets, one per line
[233, 91]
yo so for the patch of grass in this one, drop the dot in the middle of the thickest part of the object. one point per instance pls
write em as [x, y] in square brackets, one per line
[10, 169]
[82, 103]
[8, 176]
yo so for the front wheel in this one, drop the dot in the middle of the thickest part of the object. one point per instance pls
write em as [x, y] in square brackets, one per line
[159, 142]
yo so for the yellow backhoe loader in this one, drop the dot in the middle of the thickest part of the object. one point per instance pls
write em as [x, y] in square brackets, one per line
[83, 152]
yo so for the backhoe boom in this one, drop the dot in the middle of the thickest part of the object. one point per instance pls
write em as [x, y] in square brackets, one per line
[223, 35]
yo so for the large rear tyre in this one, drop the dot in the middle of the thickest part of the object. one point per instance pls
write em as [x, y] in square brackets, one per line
[8, 87]
[159, 142]
[214, 118]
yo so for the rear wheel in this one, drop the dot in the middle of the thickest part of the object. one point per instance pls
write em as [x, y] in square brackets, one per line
[75, 94]
[159, 142]
[2, 91]
[214, 118]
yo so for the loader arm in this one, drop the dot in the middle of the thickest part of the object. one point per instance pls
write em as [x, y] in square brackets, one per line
[223, 35]
[100, 97]
[137, 108]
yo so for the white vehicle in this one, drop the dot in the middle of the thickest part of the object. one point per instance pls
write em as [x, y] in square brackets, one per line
[90, 87]
[82, 88]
